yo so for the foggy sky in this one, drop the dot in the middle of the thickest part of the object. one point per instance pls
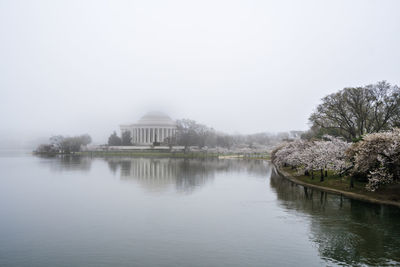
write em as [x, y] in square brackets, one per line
[72, 67]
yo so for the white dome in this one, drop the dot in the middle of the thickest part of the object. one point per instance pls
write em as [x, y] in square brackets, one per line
[156, 118]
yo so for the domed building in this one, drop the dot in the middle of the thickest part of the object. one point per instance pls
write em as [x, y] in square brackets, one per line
[152, 127]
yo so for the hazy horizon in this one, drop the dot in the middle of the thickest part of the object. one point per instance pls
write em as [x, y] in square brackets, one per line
[74, 67]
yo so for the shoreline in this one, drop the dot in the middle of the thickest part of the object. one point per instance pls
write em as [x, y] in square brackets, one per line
[347, 194]
[159, 153]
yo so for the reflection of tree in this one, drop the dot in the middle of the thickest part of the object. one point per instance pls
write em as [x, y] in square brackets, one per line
[194, 173]
[346, 231]
[184, 175]
[113, 166]
[67, 163]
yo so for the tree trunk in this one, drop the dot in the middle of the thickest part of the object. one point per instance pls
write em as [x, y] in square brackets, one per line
[396, 172]
[306, 173]
[312, 174]
[322, 175]
[326, 173]
[352, 182]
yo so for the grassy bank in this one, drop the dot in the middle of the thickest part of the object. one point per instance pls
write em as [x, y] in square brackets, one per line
[152, 153]
[333, 181]
[169, 154]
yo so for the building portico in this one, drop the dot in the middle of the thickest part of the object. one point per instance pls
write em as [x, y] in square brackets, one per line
[152, 127]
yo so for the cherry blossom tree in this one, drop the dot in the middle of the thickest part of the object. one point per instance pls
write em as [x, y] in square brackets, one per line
[310, 156]
[377, 157]
[335, 153]
[290, 153]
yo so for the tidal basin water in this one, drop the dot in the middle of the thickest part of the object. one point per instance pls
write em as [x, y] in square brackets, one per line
[72, 211]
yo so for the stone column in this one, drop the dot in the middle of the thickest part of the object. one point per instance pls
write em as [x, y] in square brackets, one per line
[154, 134]
[136, 134]
[148, 136]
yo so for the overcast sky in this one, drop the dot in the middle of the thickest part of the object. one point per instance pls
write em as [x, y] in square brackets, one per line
[71, 67]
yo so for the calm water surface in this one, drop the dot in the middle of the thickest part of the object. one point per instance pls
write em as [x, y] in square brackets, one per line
[75, 211]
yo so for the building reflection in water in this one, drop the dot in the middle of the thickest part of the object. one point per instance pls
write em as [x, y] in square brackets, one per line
[345, 231]
[185, 175]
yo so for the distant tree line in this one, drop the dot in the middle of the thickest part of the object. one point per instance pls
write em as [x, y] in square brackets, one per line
[65, 145]
[191, 133]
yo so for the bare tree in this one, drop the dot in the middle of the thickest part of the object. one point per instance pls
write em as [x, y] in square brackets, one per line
[353, 112]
